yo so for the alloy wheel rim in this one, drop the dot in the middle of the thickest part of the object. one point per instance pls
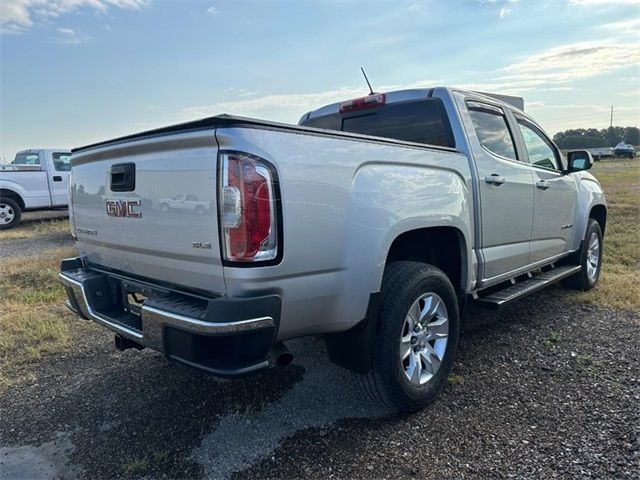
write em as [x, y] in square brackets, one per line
[6, 214]
[593, 256]
[424, 338]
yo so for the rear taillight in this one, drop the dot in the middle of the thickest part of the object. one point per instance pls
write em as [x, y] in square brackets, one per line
[248, 210]
[370, 101]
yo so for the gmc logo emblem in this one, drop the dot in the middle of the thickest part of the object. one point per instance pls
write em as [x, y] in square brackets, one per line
[123, 208]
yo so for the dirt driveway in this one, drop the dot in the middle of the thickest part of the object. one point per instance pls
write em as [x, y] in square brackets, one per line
[547, 388]
[544, 389]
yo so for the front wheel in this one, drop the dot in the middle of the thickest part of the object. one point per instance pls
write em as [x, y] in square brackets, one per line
[417, 337]
[10, 213]
[589, 257]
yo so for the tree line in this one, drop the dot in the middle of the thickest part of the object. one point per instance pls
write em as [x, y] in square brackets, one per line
[594, 138]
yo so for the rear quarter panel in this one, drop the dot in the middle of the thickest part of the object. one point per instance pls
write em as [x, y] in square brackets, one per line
[344, 202]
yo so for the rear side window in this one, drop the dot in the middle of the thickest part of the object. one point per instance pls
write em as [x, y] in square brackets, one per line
[423, 121]
[26, 158]
[492, 130]
[62, 161]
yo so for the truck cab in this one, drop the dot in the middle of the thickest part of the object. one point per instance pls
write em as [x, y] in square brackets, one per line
[36, 179]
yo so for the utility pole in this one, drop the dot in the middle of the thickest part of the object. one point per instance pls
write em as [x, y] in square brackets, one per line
[611, 124]
[611, 140]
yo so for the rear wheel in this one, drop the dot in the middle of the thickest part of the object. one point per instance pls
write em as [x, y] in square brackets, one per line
[417, 337]
[10, 213]
[589, 257]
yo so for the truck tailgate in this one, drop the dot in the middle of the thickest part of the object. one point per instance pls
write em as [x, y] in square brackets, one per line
[164, 222]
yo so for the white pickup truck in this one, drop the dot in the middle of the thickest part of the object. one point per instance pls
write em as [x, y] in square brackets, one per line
[37, 179]
[372, 223]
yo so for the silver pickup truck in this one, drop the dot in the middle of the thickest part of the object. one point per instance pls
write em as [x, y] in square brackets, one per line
[372, 223]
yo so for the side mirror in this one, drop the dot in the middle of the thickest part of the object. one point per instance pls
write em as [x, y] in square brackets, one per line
[579, 160]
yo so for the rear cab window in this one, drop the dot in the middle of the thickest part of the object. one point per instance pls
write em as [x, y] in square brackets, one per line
[26, 158]
[419, 121]
[492, 129]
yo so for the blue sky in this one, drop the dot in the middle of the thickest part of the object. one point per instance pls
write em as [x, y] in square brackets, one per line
[78, 71]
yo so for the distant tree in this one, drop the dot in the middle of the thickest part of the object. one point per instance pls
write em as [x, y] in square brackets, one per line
[632, 135]
[576, 138]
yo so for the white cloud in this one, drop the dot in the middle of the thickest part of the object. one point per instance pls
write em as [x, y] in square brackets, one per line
[506, 8]
[625, 27]
[580, 60]
[17, 16]
[283, 106]
[66, 31]
[416, 7]
[603, 2]
[212, 10]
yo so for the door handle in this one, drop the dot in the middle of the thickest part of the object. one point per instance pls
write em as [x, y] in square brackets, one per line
[57, 178]
[542, 184]
[494, 179]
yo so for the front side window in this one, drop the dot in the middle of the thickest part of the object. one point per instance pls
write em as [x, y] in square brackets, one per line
[492, 130]
[26, 158]
[541, 152]
[62, 161]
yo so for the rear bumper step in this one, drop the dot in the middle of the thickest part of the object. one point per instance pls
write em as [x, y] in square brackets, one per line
[220, 335]
[514, 292]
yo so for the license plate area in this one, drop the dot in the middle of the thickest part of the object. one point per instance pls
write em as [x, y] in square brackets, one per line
[133, 297]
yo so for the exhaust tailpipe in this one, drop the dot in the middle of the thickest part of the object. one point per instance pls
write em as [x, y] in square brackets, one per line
[280, 355]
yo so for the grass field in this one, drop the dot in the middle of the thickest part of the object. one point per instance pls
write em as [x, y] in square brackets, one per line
[33, 228]
[34, 323]
[619, 286]
[33, 319]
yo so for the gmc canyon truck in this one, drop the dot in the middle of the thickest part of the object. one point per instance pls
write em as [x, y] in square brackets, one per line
[371, 223]
[37, 179]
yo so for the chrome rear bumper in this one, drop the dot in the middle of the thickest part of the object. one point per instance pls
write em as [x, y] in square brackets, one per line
[197, 334]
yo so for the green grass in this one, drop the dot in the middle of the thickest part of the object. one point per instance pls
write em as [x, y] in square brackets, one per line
[36, 228]
[136, 467]
[618, 286]
[32, 317]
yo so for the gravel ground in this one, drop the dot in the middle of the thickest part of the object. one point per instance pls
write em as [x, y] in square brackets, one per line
[545, 388]
[36, 244]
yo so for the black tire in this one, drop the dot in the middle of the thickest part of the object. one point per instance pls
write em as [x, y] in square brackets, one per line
[9, 207]
[582, 280]
[386, 383]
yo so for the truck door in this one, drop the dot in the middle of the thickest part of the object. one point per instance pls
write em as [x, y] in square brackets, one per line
[506, 191]
[555, 194]
[59, 167]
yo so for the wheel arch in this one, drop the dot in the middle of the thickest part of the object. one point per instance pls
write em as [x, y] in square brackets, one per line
[15, 196]
[599, 214]
[444, 247]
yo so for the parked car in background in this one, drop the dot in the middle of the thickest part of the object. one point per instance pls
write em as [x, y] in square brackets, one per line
[184, 201]
[372, 222]
[36, 179]
[624, 150]
[600, 153]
